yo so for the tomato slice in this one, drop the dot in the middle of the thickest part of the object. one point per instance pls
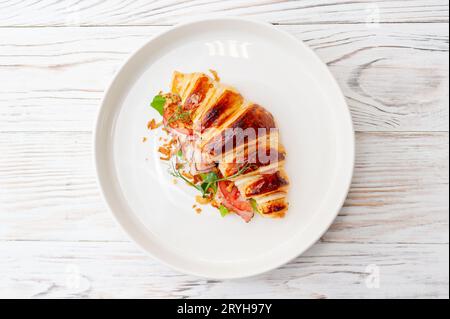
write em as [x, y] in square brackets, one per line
[233, 197]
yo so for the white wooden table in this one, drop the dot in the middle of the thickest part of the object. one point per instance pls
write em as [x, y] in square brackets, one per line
[57, 238]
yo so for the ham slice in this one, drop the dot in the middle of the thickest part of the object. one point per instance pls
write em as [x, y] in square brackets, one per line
[233, 200]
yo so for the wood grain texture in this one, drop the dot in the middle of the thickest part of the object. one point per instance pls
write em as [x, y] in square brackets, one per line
[163, 12]
[395, 77]
[57, 238]
[120, 270]
[48, 190]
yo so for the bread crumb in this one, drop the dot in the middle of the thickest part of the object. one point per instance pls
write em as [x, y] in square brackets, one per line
[215, 204]
[144, 139]
[215, 75]
[202, 201]
[152, 125]
[198, 210]
[164, 150]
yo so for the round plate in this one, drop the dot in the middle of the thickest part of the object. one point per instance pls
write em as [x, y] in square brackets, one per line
[268, 67]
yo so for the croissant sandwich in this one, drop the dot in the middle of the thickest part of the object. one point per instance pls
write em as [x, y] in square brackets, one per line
[225, 146]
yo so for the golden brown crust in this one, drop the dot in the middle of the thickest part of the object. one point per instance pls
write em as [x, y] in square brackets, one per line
[198, 93]
[266, 184]
[274, 205]
[178, 81]
[219, 111]
[255, 117]
[254, 122]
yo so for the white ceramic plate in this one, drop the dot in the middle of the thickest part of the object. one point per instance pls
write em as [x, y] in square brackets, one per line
[267, 66]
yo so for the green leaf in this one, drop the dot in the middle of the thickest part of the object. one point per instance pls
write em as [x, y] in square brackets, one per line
[223, 211]
[158, 103]
[205, 187]
[209, 182]
[214, 187]
[180, 153]
[255, 206]
[211, 177]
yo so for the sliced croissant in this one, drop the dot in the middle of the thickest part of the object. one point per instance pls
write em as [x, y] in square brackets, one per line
[216, 110]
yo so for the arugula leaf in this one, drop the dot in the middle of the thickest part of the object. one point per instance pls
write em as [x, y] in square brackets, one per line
[211, 177]
[205, 187]
[180, 153]
[209, 182]
[255, 206]
[214, 187]
[158, 103]
[223, 211]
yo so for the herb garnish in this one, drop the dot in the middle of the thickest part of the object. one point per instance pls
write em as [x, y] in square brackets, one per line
[209, 183]
[223, 211]
[158, 103]
[208, 186]
[255, 206]
[241, 171]
[177, 173]
[184, 116]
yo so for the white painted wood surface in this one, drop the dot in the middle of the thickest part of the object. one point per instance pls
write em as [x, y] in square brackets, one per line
[50, 67]
[57, 238]
[167, 12]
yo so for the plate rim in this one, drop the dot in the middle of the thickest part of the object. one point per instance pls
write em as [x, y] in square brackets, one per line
[103, 105]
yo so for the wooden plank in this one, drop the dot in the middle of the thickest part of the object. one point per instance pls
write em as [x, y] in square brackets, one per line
[395, 77]
[143, 12]
[48, 189]
[120, 270]
[399, 190]
[399, 193]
